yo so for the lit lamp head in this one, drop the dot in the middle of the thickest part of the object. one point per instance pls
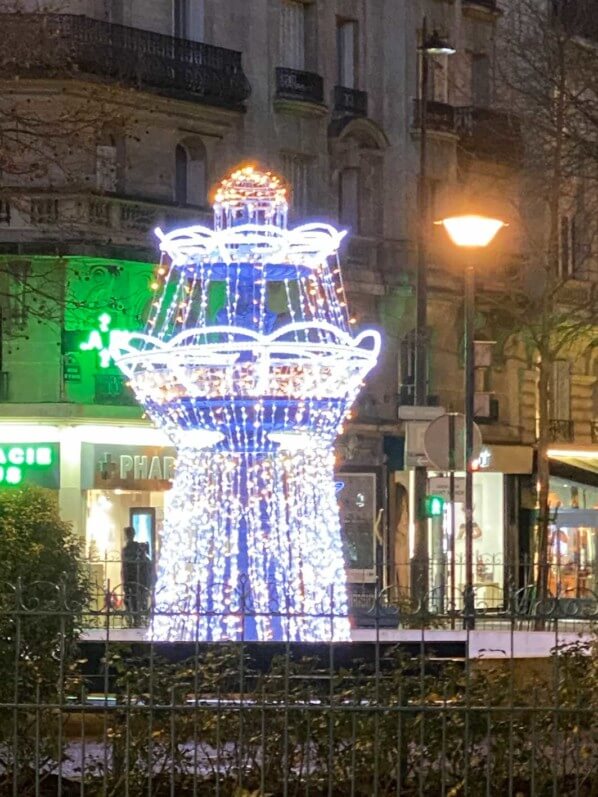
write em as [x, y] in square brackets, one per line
[471, 231]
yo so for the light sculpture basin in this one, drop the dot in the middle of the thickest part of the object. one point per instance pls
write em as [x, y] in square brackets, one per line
[250, 365]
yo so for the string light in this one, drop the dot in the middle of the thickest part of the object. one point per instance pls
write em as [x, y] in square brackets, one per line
[253, 399]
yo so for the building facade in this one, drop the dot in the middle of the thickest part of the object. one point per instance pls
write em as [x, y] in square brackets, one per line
[149, 104]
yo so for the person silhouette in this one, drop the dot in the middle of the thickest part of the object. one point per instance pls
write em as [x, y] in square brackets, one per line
[131, 566]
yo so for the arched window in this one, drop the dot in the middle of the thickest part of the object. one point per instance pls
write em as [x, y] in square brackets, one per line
[358, 163]
[181, 174]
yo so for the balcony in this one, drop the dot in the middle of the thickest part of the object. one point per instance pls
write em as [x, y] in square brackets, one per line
[440, 116]
[51, 45]
[489, 135]
[299, 91]
[350, 102]
[75, 218]
[578, 432]
[561, 431]
[576, 18]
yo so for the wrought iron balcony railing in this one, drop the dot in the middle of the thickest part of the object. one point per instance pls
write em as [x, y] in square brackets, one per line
[59, 44]
[440, 116]
[294, 84]
[576, 18]
[350, 102]
[488, 133]
[561, 431]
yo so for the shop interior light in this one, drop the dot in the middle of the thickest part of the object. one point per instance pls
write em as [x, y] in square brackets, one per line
[577, 453]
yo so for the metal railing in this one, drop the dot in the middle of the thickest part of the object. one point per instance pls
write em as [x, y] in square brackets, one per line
[440, 116]
[504, 594]
[74, 45]
[487, 132]
[561, 431]
[418, 713]
[295, 84]
[350, 102]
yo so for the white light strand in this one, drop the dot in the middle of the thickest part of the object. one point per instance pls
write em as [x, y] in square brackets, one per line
[251, 546]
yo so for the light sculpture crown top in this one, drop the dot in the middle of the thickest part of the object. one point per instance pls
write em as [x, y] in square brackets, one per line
[250, 230]
[261, 196]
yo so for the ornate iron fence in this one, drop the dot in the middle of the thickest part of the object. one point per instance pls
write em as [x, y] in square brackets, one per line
[418, 711]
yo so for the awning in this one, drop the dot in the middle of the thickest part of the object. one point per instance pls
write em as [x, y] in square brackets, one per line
[578, 463]
[576, 518]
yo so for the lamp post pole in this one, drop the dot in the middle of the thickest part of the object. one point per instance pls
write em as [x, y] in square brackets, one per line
[472, 232]
[421, 553]
[469, 310]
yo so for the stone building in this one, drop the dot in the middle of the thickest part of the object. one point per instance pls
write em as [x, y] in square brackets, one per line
[127, 112]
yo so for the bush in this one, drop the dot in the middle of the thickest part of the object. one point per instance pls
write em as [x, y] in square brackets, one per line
[43, 590]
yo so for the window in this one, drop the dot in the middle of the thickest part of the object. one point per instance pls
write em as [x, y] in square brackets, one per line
[346, 48]
[560, 391]
[292, 34]
[180, 178]
[296, 169]
[348, 211]
[106, 167]
[407, 353]
[19, 272]
[110, 158]
[4, 211]
[191, 172]
[480, 80]
[567, 247]
[189, 19]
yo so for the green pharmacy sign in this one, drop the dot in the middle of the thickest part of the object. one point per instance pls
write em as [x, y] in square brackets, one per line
[30, 463]
[103, 340]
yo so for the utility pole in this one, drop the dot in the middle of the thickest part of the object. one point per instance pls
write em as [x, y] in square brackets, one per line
[420, 575]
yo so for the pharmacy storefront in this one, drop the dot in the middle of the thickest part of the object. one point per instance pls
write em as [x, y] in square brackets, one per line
[107, 477]
[111, 476]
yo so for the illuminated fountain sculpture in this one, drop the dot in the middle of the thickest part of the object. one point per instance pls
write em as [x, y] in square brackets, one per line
[249, 365]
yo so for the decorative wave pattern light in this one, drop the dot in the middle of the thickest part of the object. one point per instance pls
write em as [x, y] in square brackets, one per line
[250, 366]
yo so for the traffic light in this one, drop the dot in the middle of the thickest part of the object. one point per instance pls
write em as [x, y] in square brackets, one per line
[433, 506]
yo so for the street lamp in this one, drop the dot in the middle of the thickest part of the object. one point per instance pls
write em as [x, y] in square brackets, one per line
[431, 44]
[470, 232]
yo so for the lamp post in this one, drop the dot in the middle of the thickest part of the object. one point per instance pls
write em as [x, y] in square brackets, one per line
[430, 45]
[472, 233]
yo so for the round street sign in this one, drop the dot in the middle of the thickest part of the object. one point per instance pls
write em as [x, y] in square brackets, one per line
[437, 437]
